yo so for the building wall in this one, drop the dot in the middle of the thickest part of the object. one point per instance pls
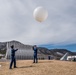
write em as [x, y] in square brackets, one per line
[44, 57]
[71, 58]
[22, 53]
[64, 58]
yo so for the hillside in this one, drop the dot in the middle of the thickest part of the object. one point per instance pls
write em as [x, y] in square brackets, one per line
[57, 53]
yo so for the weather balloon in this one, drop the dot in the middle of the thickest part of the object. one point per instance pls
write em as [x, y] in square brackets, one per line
[40, 14]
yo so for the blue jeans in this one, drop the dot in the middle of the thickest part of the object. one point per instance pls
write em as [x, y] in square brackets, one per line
[35, 59]
[13, 60]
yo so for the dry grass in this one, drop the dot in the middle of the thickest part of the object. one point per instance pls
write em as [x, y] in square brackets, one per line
[44, 67]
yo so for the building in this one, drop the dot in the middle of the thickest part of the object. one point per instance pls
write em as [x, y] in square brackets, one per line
[44, 57]
[24, 51]
[64, 58]
[71, 58]
[68, 57]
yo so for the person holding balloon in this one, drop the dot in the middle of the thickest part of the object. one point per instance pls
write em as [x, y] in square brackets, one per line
[35, 54]
[40, 14]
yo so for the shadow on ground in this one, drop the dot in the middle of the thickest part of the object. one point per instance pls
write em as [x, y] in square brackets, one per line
[45, 62]
[26, 66]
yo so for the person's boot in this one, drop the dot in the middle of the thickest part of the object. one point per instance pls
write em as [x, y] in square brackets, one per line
[15, 66]
[10, 68]
[33, 62]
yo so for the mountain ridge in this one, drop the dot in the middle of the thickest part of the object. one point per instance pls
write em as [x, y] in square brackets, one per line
[57, 53]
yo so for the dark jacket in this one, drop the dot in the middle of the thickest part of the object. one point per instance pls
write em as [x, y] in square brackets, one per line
[13, 52]
[35, 51]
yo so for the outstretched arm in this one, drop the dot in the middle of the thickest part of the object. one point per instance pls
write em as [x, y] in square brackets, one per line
[16, 49]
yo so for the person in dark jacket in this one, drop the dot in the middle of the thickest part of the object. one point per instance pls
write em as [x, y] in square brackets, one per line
[35, 54]
[48, 57]
[13, 59]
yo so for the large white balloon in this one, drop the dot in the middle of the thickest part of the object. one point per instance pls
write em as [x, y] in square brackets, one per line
[40, 14]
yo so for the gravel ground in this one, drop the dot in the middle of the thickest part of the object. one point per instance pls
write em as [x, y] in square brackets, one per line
[44, 67]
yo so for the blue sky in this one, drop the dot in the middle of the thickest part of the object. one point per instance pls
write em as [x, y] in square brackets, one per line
[70, 47]
[17, 22]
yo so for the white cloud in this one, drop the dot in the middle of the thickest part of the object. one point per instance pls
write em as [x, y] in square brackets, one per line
[17, 22]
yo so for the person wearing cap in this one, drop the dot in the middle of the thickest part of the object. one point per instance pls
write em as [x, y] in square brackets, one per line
[35, 54]
[13, 59]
